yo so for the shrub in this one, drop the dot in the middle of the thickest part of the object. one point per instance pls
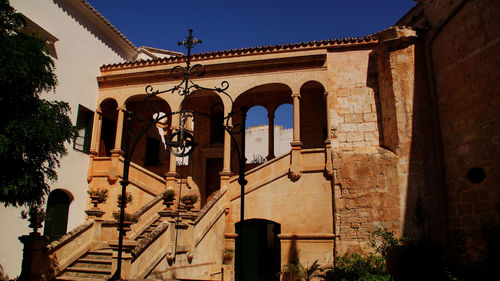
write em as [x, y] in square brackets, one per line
[295, 271]
[101, 193]
[356, 267]
[168, 195]
[128, 198]
[126, 217]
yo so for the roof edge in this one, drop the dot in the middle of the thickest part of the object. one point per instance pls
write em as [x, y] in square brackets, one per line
[109, 29]
[345, 42]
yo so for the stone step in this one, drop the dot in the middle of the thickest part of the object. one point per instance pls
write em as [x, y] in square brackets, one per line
[99, 254]
[86, 272]
[76, 278]
[93, 263]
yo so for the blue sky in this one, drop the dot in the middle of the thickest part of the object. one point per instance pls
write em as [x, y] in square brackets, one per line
[225, 24]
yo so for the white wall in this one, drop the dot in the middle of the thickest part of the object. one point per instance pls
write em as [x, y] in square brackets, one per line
[256, 140]
[81, 49]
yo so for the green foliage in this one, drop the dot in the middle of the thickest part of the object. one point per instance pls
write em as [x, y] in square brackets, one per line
[126, 217]
[191, 197]
[101, 193]
[32, 130]
[168, 195]
[382, 239]
[355, 267]
[128, 198]
[295, 271]
[35, 215]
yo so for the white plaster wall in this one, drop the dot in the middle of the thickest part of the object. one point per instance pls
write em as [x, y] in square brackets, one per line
[256, 139]
[81, 50]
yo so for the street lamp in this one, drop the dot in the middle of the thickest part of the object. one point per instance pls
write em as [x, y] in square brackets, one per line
[182, 142]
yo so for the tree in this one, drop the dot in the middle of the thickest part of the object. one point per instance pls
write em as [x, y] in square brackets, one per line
[33, 131]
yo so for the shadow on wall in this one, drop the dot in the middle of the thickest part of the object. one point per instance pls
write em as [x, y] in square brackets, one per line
[293, 259]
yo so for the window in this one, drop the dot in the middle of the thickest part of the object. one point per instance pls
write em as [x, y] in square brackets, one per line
[84, 122]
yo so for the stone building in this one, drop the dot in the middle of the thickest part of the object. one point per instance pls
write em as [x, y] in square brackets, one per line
[383, 125]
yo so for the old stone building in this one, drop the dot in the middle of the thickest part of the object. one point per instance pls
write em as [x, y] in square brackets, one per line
[384, 126]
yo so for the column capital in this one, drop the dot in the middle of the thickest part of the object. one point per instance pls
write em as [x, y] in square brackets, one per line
[296, 95]
[98, 111]
[122, 108]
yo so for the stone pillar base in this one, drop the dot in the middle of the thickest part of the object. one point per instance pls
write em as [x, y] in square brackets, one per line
[34, 263]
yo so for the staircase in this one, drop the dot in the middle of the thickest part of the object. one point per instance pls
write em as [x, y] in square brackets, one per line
[94, 265]
[147, 231]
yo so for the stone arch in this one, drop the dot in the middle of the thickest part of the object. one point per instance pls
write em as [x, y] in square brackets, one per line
[313, 121]
[150, 151]
[206, 160]
[109, 116]
[256, 134]
[270, 96]
[57, 210]
[283, 128]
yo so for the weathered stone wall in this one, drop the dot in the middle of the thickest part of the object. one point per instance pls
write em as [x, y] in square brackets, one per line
[367, 195]
[463, 41]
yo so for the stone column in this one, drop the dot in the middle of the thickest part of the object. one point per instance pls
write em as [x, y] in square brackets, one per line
[225, 174]
[328, 141]
[295, 167]
[171, 175]
[34, 263]
[270, 154]
[296, 118]
[96, 133]
[119, 131]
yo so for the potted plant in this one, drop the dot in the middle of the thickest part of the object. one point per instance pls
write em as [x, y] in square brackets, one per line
[227, 256]
[168, 198]
[189, 200]
[98, 196]
[35, 215]
[128, 199]
[128, 220]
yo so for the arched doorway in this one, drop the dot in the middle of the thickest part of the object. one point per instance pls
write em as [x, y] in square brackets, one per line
[261, 250]
[56, 221]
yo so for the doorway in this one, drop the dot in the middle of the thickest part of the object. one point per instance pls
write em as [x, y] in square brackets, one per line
[57, 214]
[261, 250]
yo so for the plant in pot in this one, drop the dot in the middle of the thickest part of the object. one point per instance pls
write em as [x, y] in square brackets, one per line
[35, 215]
[168, 198]
[227, 256]
[189, 201]
[128, 199]
[128, 220]
[98, 196]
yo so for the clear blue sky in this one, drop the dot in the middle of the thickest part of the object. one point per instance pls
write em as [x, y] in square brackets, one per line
[232, 24]
[226, 24]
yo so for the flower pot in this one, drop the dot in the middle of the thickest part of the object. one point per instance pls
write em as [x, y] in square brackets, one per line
[188, 205]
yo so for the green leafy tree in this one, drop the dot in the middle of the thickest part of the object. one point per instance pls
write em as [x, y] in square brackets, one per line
[33, 131]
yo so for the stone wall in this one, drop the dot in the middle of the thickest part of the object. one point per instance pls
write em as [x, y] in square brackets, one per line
[463, 43]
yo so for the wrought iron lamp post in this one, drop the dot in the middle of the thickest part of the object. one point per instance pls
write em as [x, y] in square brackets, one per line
[181, 143]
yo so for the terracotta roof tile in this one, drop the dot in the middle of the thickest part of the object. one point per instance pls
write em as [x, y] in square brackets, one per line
[248, 51]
